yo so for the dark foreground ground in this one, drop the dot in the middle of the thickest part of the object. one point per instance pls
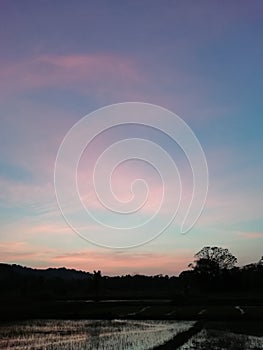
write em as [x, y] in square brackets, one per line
[239, 319]
[132, 309]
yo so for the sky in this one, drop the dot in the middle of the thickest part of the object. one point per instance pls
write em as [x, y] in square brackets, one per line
[62, 60]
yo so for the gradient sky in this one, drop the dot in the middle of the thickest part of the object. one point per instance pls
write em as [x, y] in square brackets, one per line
[60, 60]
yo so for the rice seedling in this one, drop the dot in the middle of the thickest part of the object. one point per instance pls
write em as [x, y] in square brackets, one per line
[88, 334]
[222, 340]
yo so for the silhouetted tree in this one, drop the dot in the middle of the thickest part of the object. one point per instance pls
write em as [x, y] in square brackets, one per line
[187, 279]
[214, 259]
[212, 267]
[206, 267]
[97, 284]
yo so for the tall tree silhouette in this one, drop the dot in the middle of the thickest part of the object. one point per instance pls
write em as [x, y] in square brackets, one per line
[210, 261]
[97, 284]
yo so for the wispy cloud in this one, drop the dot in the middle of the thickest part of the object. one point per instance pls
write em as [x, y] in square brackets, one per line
[123, 262]
[89, 73]
[249, 235]
[110, 262]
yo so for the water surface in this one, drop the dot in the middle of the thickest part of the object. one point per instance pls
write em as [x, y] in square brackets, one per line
[89, 334]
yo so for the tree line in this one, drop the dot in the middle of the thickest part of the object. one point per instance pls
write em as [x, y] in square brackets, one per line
[213, 272]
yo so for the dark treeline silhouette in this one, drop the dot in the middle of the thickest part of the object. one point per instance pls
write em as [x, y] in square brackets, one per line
[212, 273]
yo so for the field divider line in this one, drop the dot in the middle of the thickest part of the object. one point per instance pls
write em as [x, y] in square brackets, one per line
[202, 312]
[139, 312]
[181, 338]
[242, 312]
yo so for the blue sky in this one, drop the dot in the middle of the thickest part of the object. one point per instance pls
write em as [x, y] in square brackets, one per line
[62, 60]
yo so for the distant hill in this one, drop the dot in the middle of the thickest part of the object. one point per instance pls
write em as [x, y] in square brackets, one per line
[19, 282]
[24, 283]
[62, 272]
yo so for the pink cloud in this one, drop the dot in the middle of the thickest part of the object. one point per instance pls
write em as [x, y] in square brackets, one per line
[110, 262]
[106, 77]
[97, 73]
[249, 235]
[123, 262]
[121, 187]
[22, 252]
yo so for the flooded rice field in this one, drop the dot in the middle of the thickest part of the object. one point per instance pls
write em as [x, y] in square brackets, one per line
[89, 334]
[116, 335]
[222, 340]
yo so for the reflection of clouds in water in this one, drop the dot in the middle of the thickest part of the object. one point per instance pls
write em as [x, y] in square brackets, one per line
[94, 335]
[213, 339]
[90, 334]
[128, 334]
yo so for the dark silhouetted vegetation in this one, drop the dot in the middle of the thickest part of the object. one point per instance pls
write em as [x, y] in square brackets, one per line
[213, 271]
[212, 279]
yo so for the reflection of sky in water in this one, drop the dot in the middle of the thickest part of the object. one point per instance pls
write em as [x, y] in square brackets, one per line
[222, 340]
[89, 335]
